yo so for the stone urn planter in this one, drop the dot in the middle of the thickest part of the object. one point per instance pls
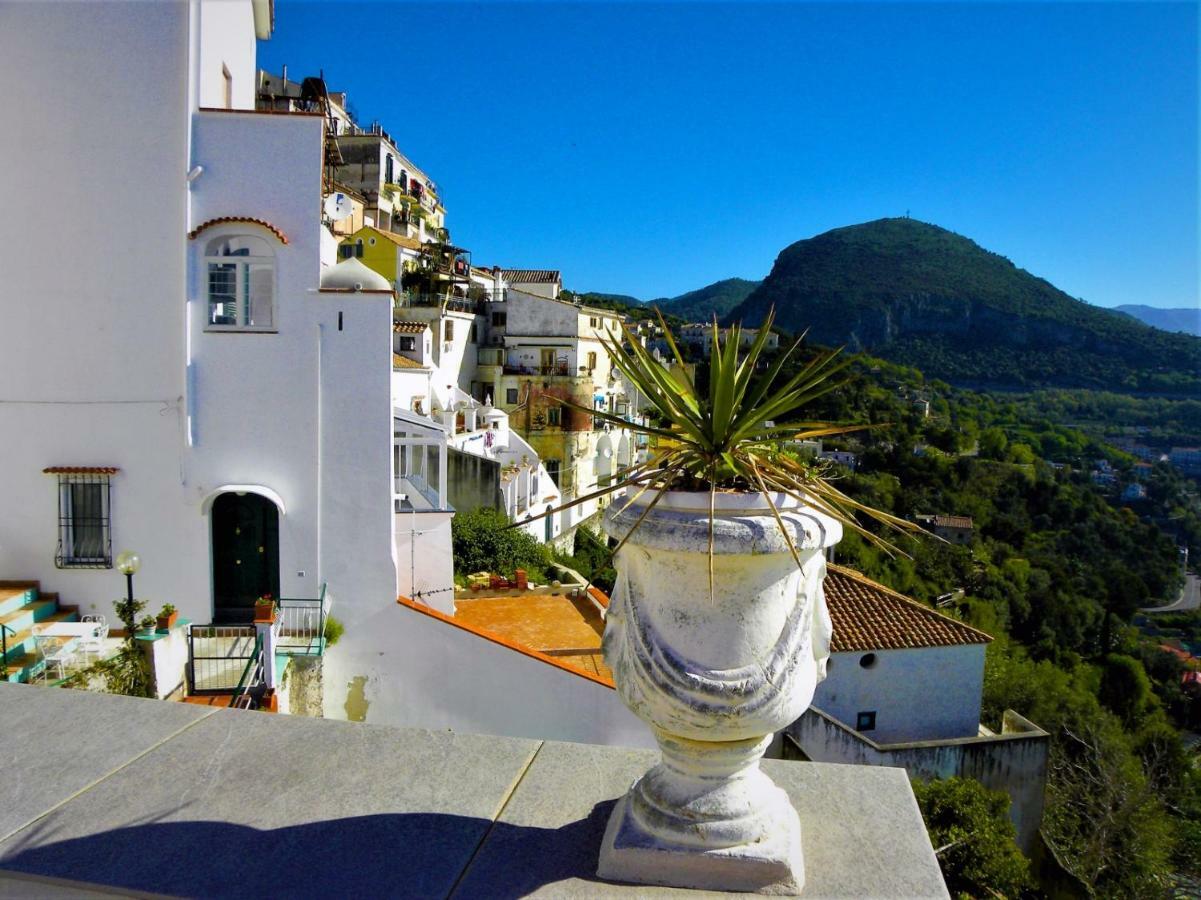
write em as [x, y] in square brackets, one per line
[714, 676]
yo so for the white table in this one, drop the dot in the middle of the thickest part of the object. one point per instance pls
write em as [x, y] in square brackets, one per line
[66, 629]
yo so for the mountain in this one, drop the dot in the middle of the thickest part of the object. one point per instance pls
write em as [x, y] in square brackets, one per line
[702, 304]
[920, 295]
[1186, 319]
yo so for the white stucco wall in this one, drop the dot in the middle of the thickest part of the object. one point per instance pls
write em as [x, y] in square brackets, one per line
[225, 32]
[414, 670]
[425, 558]
[91, 350]
[917, 694]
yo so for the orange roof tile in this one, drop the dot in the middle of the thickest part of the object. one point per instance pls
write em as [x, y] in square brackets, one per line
[247, 220]
[80, 470]
[558, 625]
[953, 521]
[869, 616]
[403, 362]
[405, 327]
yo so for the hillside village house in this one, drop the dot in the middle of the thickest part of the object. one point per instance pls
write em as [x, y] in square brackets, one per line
[903, 688]
[221, 401]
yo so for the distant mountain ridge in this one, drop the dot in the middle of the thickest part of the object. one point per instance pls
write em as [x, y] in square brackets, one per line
[921, 295]
[1185, 319]
[717, 299]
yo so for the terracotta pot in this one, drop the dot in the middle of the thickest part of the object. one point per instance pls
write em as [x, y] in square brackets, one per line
[166, 623]
[264, 613]
[714, 672]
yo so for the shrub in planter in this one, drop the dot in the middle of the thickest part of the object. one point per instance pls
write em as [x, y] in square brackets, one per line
[717, 632]
[167, 616]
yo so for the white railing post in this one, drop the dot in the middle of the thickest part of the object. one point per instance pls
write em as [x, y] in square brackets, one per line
[269, 633]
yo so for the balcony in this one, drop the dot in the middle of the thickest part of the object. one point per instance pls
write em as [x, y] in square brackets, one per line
[559, 369]
[484, 815]
[454, 304]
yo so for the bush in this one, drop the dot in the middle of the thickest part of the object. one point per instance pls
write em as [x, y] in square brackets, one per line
[334, 630]
[483, 542]
[591, 559]
[969, 826]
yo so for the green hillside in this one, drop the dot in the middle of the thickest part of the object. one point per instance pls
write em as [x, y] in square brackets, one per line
[716, 299]
[920, 295]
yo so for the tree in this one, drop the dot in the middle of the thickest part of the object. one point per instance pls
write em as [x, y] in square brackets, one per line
[973, 838]
[483, 542]
[1125, 688]
[993, 443]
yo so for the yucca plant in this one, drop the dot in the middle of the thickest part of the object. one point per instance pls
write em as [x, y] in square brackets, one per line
[725, 439]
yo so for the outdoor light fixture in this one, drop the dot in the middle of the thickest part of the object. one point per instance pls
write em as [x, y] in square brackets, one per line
[128, 563]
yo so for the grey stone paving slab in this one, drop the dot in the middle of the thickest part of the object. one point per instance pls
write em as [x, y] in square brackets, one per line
[56, 742]
[246, 804]
[862, 833]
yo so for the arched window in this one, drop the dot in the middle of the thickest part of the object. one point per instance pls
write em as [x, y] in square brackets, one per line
[241, 283]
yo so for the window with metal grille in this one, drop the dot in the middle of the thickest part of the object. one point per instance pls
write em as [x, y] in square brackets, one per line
[84, 522]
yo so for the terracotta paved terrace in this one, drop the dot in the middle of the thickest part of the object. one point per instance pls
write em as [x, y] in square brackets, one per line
[552, 622]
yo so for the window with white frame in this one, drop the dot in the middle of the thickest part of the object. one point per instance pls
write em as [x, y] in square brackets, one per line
[240, 282]
[84, 522]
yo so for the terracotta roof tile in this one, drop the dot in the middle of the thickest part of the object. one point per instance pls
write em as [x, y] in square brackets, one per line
[531, 276]
[80, 470]
[403, 362]
[405, 327]
[247, 220]
[953, 521]
[869, 616]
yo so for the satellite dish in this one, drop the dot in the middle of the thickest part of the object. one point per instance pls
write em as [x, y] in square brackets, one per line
[338, 206]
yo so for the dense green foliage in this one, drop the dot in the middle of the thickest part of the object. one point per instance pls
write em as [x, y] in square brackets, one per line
[334, 629]
[920, 295]
[1056, 569]
[590, 557]
[970, 829]
[483, 542]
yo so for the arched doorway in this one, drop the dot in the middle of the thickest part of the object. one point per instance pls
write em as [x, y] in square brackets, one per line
[245, 536]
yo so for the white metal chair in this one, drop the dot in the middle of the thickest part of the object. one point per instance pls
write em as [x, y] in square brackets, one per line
[54, 653]
[94, 643]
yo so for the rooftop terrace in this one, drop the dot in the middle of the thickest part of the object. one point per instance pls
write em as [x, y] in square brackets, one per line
[111, 793]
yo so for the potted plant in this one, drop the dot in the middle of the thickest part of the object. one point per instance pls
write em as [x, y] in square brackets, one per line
[147, 625]
[167, 617]
[264, 610]
[717, 631]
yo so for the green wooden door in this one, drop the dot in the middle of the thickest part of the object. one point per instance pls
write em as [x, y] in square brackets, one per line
[245, 555]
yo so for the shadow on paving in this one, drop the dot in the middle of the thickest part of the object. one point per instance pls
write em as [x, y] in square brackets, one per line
[400, 855]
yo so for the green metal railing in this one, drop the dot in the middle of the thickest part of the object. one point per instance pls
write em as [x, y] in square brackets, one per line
[302, 625]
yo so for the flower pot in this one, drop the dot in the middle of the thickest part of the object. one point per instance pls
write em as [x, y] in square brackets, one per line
[714, 675]
[166, 623]
[264, 613]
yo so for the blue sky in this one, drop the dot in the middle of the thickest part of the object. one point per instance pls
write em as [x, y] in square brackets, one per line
[652, 149]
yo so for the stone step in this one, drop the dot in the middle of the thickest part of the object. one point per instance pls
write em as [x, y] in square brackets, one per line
[22, 668]
[13, 598]
[22, 642]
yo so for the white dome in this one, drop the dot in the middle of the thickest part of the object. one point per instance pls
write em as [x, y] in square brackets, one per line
[352, 275]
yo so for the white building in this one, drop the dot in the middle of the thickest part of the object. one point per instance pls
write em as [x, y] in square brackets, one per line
[903, 688]
[225, 369]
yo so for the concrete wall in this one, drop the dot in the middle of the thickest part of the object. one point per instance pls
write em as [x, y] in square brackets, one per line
[1014, 761]
[920, 694]
[398, 666]
[474, 482]
[225, 29]
[424, 562]
[92, 345]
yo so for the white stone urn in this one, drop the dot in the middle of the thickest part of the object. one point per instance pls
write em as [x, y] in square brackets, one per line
[714, 676]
